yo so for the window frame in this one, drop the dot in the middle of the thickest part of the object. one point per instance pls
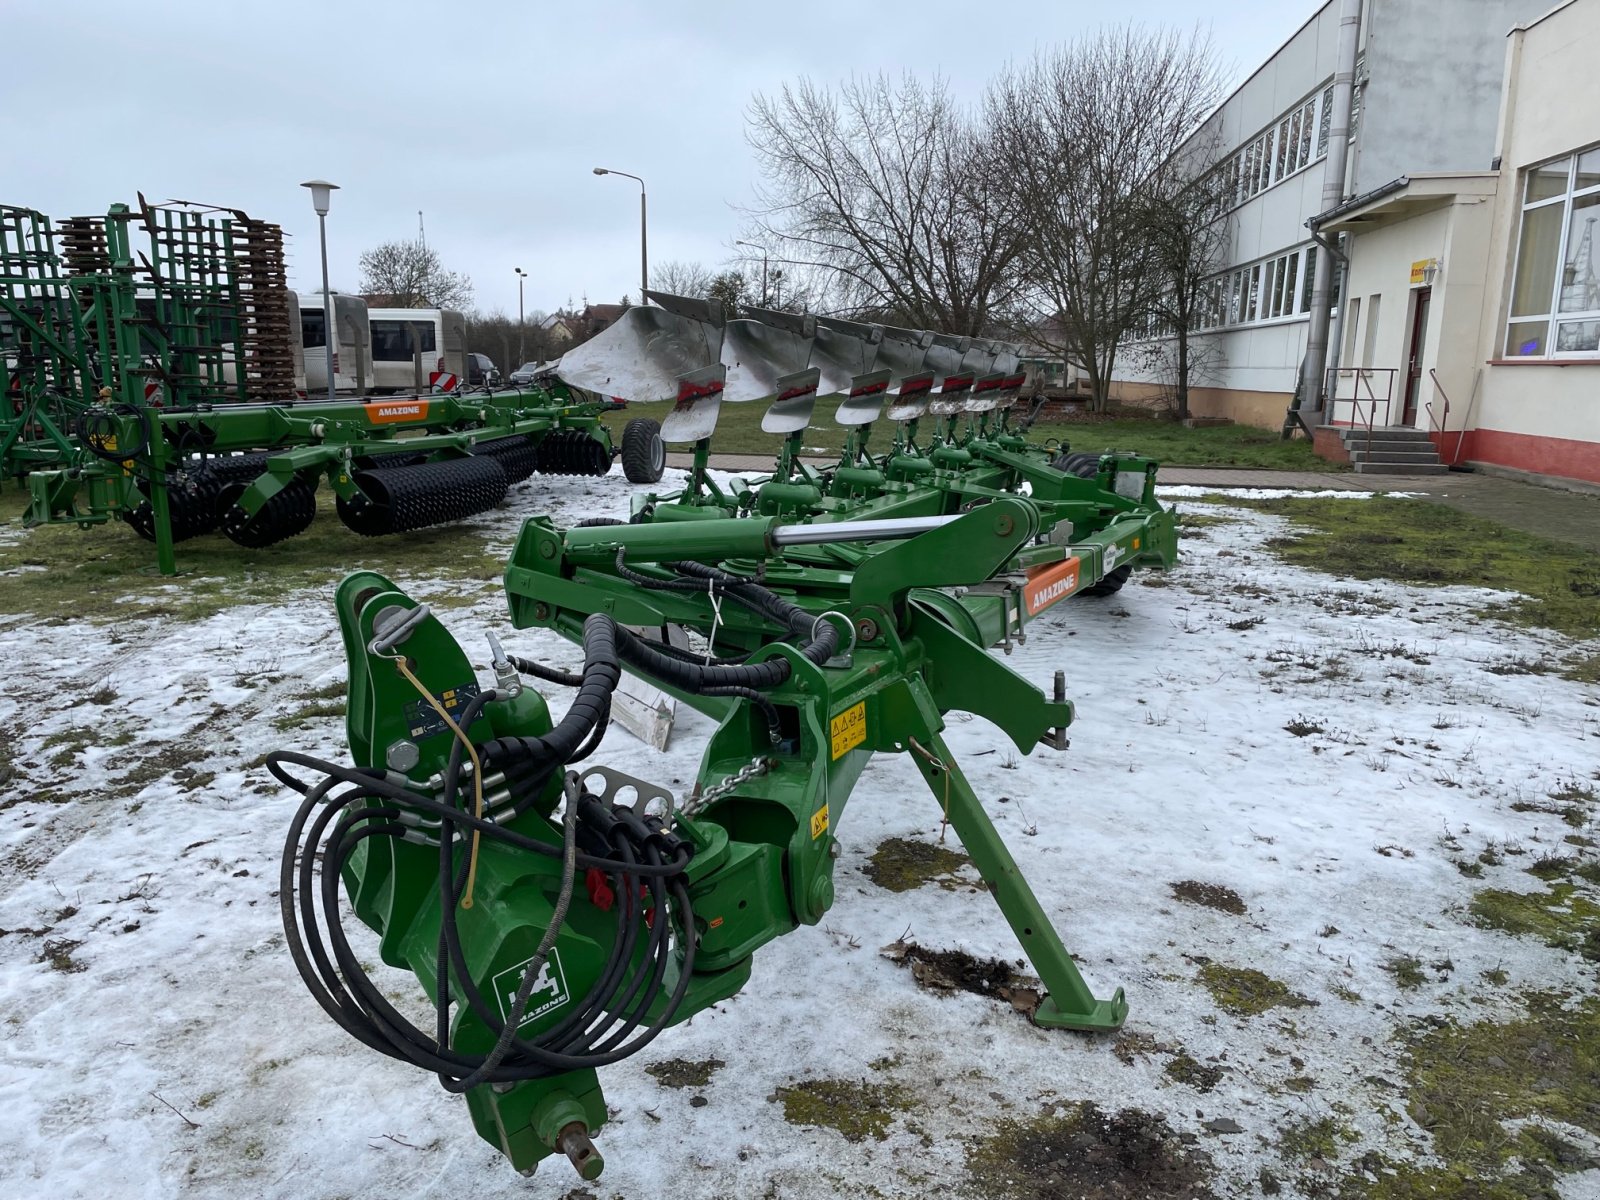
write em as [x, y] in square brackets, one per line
[1553, 318]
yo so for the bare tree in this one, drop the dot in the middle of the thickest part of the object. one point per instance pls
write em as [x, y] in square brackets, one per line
[410, 275]
[881, 183]
[499, 336]
[1079, 139]
[680, 278]
[1186, 228]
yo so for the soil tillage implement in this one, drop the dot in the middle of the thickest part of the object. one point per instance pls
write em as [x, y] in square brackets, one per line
[148, 362]
[1096, 505]
[559, 915]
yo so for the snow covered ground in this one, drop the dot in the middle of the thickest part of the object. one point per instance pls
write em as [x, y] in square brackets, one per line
[158, 1042]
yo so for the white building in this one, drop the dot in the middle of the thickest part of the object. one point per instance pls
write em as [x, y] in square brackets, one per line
[1426, 99]
[1481, 289]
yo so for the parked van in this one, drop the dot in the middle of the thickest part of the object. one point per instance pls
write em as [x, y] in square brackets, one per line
[410, 345]
[352, 347]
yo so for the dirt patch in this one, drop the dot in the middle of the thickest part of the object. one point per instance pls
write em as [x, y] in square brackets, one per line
[899, 865]
[1201, 1077]
[1245, 992]
[1209, 895]
[57, 954]
[1087, 1154]
[956, 970]
[684, 1073]
[858, 1110]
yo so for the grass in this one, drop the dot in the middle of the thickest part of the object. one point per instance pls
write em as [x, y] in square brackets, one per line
[107, 572]
[739, 432]
[1557, 584]
[1466, 1081]
[1245, 992]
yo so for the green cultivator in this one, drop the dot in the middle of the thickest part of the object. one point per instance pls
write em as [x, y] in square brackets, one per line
[560, 915]
[156, 385]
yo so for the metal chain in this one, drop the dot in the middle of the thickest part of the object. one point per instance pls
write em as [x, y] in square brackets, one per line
[701, 797]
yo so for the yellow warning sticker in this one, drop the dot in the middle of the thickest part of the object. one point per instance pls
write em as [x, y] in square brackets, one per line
[819, 822]
[849, 729]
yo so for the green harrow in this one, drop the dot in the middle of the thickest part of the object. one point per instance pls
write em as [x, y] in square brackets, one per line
[558, 914]
[155, 385]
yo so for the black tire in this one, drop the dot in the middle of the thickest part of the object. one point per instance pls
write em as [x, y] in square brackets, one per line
[1084, 466]
[644, 456]
[1110, 585]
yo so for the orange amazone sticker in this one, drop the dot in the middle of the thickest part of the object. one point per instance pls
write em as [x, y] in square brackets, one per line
[1046, 585]
[389, 414]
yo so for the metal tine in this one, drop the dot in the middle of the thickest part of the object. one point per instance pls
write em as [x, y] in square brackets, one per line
[796, 397]
[759, 355]
[905, 353]
[699, 400]
[643, 354]
[863, 404]
[1004, 384]
[979, 361]
[844, 354]
[946, 356]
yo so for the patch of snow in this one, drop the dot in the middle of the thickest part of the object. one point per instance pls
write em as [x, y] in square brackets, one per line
[1180, 768]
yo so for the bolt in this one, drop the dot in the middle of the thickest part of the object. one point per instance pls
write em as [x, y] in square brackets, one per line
[573, 1141]
[547, 549]
[402, 756]
[1004, 525]
[821, 895]
[866, 629]
[541, 612]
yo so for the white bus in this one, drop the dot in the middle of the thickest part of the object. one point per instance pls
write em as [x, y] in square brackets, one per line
[352, 347]
[410, 344]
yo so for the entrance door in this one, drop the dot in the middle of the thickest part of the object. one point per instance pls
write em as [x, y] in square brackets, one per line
[1418, 343]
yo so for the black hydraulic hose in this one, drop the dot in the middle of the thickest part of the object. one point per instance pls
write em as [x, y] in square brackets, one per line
[602, 671]
[818, 640]
[769, 710]
[381, 787]
[549, 674]
[357, 1006]
[97, 425]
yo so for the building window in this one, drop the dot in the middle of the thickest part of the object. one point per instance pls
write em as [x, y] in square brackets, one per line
[1290, 144]
[1555, 277]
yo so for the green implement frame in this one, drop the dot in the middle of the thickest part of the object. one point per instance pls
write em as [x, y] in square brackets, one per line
[769, 799]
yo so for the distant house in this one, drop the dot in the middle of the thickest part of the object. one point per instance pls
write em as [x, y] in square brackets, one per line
[572, 328]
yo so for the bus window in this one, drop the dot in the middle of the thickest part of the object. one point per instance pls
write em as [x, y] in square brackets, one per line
[313, 329]
[392, 341]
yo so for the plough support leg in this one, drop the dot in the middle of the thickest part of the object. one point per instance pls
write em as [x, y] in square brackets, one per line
[1068, 1004]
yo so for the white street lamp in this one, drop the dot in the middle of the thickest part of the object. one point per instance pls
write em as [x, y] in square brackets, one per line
[763, 249]
[521, 275]
[321, 192]
[644, 263]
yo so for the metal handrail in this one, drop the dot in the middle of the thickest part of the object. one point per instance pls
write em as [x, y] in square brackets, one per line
[1433, 373]
[1363, 377]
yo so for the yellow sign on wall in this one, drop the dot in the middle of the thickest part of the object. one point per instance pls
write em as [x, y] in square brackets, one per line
[1419, 271]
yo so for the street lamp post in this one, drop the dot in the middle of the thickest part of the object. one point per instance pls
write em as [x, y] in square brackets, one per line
[321, 190]
[763, 250]
[521, 275]
[644, 259]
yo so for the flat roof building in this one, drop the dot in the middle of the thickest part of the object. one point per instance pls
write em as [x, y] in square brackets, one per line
[1466, 157]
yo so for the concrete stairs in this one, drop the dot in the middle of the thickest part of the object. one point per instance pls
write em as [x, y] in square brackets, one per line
[1394, 450]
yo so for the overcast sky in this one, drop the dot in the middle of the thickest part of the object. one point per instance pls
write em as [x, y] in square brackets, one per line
[488, 117]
